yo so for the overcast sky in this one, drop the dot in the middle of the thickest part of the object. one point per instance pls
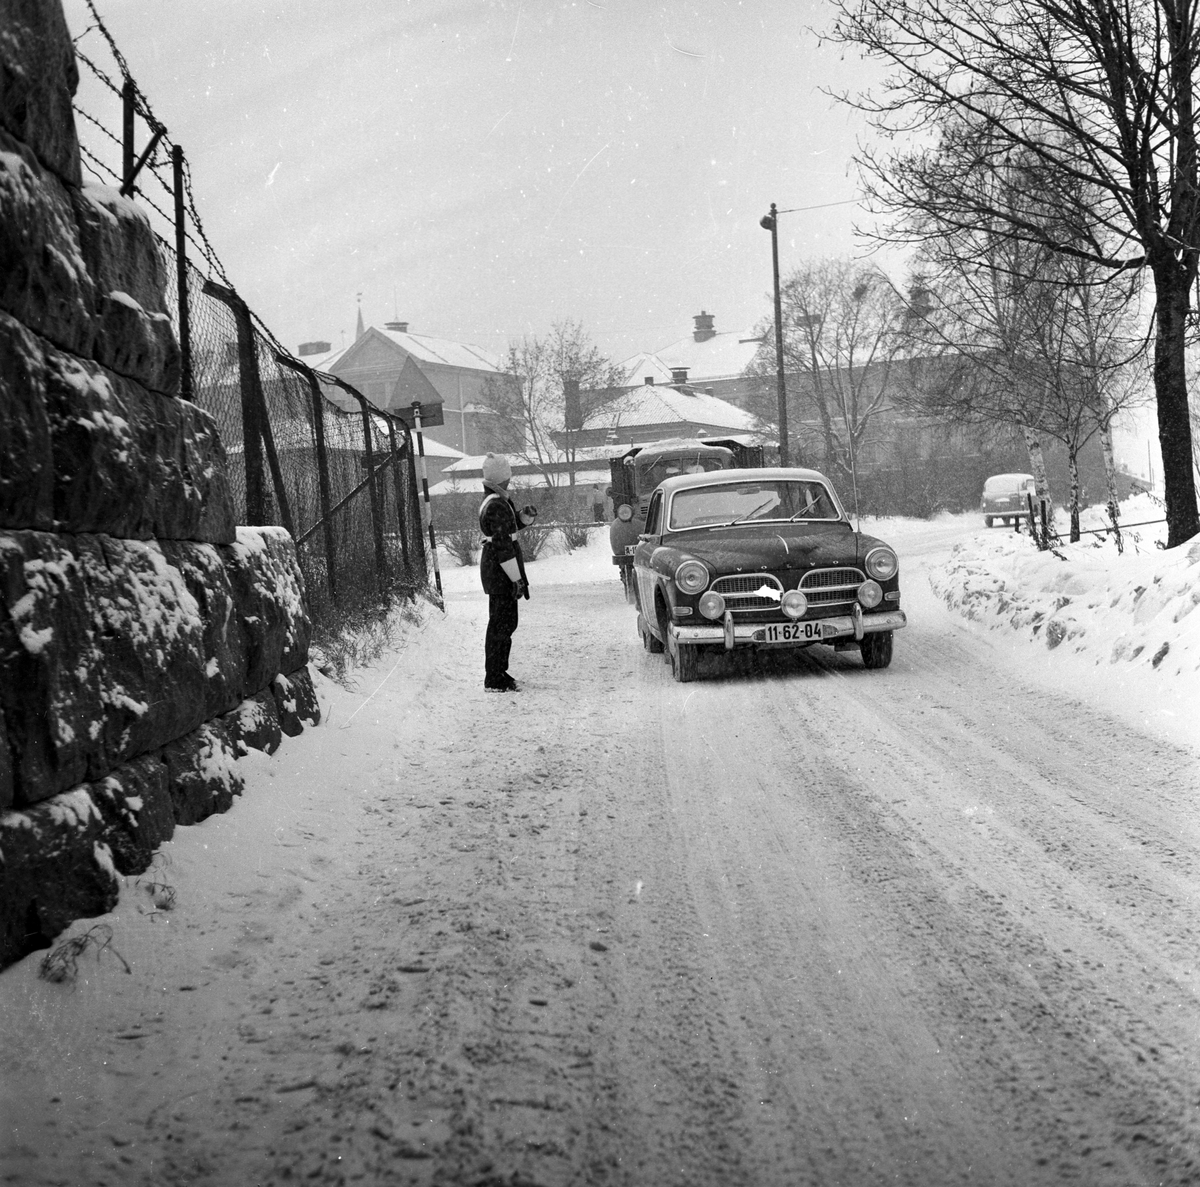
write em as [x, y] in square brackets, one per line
[483, 169]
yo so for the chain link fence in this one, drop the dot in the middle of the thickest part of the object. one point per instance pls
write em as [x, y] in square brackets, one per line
[305, 450]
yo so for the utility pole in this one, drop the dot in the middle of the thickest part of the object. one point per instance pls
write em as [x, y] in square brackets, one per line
[770, 222]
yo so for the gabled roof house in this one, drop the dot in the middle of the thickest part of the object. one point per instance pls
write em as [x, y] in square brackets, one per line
[656, 411]
[392, 367]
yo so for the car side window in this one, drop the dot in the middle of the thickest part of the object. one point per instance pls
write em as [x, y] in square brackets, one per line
[654, 514]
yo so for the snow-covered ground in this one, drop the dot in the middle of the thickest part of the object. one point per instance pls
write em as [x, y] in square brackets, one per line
[1112, 628]
[357, 844]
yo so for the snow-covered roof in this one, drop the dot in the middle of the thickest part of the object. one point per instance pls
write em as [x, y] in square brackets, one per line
[322, 361]
[722, 356]
[427, 349]
[656, 404]
[641, 366]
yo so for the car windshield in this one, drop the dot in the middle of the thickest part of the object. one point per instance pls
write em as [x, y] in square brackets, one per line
[649, 476]
[751, 501]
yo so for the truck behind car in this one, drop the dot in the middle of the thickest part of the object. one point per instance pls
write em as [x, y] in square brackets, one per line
[638, 471]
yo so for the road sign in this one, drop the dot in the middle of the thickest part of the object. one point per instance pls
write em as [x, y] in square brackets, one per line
[431, 415]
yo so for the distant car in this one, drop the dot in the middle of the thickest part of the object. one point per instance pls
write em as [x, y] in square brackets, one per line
[760, 558]
[1004, 497]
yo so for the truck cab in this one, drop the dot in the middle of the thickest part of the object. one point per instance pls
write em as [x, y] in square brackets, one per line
[638, 471]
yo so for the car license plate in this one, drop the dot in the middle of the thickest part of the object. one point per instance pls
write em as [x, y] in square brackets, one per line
[630, 549]
[792, 632]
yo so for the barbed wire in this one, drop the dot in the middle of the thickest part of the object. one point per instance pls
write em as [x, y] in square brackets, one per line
[87, 152]
[199, 240]
[209, 252]
[141, 103]
[91, 119]
[372, 540]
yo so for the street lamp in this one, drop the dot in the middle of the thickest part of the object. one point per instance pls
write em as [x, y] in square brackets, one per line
[769, 222]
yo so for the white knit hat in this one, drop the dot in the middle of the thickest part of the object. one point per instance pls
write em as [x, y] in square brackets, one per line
[496, 469]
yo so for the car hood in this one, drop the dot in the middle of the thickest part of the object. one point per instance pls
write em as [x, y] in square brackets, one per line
[776, 548]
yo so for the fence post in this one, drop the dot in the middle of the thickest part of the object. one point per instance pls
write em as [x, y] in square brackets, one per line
[256, 423]
[126, 133]
[256, 492]
[376, 513]
[323, 485]
[185, 326]
[400, 508]
[428, 513]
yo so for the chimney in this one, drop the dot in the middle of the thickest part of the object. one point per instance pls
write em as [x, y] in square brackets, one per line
[401, 327]
[679, 374]
[312, 348]
[704, 327]
[572, 412]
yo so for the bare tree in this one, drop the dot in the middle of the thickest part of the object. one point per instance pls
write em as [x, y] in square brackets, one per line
[1087, 335]
[840, 320]
[545, 391]
[1051, 336]
[972, 333]
[587, 378]
[1099, 92]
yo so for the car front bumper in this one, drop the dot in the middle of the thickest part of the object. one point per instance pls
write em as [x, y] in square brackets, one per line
[737, 634]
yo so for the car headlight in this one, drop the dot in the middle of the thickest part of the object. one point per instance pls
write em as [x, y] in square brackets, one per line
[794, 604]
[691, 577]
[712, 605]
[870, 594]
[881, 563]
[624, 512]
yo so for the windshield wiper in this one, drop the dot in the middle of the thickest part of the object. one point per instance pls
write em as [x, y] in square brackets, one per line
[742, 518]
[804, 510]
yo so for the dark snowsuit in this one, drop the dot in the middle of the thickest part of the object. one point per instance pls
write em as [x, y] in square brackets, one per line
[499, 523]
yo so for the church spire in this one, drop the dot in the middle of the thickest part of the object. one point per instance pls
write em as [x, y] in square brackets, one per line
[358, 329]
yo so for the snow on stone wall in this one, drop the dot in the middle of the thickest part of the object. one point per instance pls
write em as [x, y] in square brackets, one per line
[145, 640]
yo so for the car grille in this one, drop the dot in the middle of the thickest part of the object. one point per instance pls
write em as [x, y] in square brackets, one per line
[739, 591]
[824, 588]
[831, 587]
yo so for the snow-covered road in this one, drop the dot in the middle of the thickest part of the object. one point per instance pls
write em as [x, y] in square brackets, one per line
[795, 923]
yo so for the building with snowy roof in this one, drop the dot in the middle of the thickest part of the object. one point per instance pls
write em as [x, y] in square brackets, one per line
[656, 411]
[710, 360]
[393, 366]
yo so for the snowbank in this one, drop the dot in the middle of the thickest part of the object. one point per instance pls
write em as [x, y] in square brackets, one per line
[1120, 622]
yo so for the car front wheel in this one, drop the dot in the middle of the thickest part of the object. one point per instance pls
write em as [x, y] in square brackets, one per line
[876, 649]
[987, 521]
[650, 643]
[683, 661]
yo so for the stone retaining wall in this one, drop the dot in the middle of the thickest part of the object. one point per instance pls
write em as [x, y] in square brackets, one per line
[145, 640]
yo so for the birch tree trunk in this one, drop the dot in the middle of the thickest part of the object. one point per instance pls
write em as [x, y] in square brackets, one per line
[1110, 478]
[1073, 466]
[1037, 465]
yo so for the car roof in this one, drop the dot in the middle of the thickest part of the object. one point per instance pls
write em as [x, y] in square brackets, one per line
[1008, 478]
[726, 477]
[681, 445]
